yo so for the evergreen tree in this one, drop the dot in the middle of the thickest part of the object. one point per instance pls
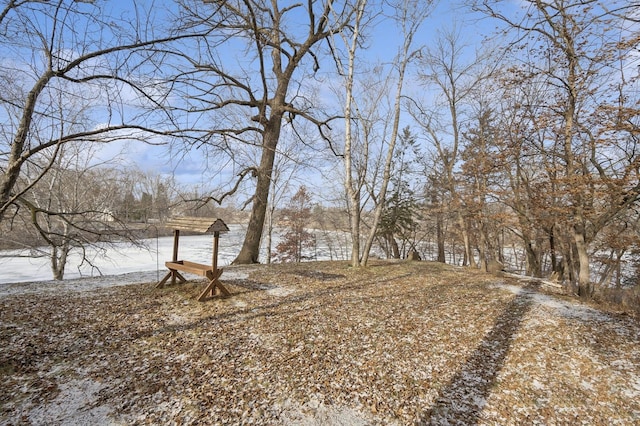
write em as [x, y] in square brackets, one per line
[399, 216]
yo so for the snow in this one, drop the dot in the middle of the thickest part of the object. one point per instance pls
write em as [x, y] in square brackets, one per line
[279, 291]
[635, 393]
[73, 406]
[146, 261]
[535, 355]
[123, 259]
[95, 283]
[315, 413]
[537, 385]
[562, 308]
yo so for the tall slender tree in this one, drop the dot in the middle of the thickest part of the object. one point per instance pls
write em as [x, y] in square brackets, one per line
[408, 16]
[456, 76]
[247, 78]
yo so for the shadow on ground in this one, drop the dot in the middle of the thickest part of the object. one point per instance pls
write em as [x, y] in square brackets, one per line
[462, 400]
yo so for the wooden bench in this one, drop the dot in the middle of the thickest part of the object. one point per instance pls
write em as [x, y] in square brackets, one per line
[211, 272]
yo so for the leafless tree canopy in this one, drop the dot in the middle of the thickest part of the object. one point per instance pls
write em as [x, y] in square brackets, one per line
[524, 145]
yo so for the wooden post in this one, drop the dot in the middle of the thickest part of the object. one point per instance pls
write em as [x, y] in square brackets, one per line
[176, 237]
[173, 274]
[214, 283]
[214, 257]
[176, 241]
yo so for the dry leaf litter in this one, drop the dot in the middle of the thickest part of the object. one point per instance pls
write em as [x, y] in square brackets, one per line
[398, 343]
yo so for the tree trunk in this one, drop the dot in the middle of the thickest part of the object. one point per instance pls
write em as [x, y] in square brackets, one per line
[59, 255]
[59, 261]
[610, 267]
[352, 188]
[354, 220]
[440, 239]
[533, 266]
[55, 270]
[583, 280]
[552, 249]
[534, 269]
[395, 251]
[567, 271]
[482, 248]
[468, 254]
[250, 251]
[269, 233]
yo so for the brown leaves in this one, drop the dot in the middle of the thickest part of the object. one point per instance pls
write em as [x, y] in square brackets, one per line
[319, 342]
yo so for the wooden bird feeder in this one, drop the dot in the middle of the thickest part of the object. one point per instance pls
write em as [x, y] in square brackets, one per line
[211, 272]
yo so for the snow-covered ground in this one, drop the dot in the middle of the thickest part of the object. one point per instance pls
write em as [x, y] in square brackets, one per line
[317, 343]
[125, 258]
[146, 262]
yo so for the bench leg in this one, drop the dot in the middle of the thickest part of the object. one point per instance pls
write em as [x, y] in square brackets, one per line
[164, 280]
[179, 276]
[173, 274]
[213, 286]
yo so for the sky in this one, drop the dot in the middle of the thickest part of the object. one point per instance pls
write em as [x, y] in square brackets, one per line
[194, 168]
[190, 169]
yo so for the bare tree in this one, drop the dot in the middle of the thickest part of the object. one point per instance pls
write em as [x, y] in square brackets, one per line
[408, 16]
[577, 48]
[73, 71]
[455, 80]
[353, 188]
[478, 174]
[247, 97]
[73, 207]
[526, 167]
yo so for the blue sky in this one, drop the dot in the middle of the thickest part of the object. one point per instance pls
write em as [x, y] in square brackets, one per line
[191, 169]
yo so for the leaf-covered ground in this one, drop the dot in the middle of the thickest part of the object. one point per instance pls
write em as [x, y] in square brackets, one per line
[318, 343]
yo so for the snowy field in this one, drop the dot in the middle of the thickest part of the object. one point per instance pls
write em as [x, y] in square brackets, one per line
[125, 258]
[148, 261]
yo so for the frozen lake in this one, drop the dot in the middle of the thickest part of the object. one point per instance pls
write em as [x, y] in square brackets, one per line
[17, 266]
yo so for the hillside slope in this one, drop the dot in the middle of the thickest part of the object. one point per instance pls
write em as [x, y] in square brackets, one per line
[318, 343]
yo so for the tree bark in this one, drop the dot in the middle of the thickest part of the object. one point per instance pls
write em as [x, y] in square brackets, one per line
[17, 155]
[583, 280]
[440, 237]
[534, 268]
[352, 188]
[552, 249]
[283, 67]
[395, 250]
[468, 253]
[482, 248]
[270, 211]
[250, 251]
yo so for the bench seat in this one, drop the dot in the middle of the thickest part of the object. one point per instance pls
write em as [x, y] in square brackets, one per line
[191, 267]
